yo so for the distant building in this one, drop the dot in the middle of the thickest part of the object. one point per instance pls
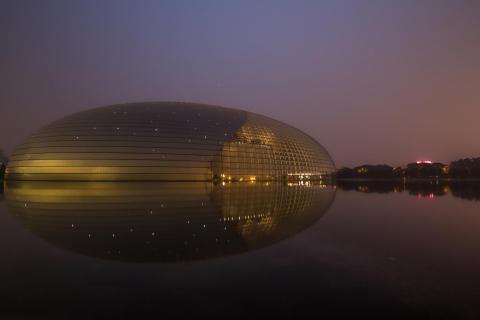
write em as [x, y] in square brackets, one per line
[426, 169]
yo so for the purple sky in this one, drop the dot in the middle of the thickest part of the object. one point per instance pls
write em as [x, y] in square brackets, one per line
[373, 81]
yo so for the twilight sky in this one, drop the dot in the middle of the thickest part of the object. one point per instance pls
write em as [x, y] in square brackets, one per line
[373, 81]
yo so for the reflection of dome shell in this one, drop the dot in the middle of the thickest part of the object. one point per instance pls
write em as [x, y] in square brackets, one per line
[168, 141]
[165, 221]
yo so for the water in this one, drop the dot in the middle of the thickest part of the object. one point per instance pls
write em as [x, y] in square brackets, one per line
[68, 250]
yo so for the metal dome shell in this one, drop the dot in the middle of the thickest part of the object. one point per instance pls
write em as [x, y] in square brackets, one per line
[168, 141]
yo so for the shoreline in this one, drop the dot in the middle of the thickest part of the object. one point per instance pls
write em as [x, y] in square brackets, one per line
[408, 179]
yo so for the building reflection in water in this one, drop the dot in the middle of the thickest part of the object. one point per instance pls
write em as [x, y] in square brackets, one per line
[464, 189]
[165, 222]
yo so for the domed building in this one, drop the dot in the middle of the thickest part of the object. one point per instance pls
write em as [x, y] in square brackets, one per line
[169, 141]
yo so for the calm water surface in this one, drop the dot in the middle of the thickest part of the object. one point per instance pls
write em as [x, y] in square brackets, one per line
[124, 250]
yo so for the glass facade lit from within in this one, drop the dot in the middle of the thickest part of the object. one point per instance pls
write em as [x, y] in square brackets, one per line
[165, 221]
[169, 141]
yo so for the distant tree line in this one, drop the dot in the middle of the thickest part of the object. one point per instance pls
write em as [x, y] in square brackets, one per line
[368, 171]
[460, 169]
[465, 168]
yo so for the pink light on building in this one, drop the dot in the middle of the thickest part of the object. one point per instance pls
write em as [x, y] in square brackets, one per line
[424, 162]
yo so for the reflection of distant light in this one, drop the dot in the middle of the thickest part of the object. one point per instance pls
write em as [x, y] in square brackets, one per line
[429, 196]
[363, 188]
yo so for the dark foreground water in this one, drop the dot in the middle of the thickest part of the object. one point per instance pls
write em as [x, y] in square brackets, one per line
[126, 250]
